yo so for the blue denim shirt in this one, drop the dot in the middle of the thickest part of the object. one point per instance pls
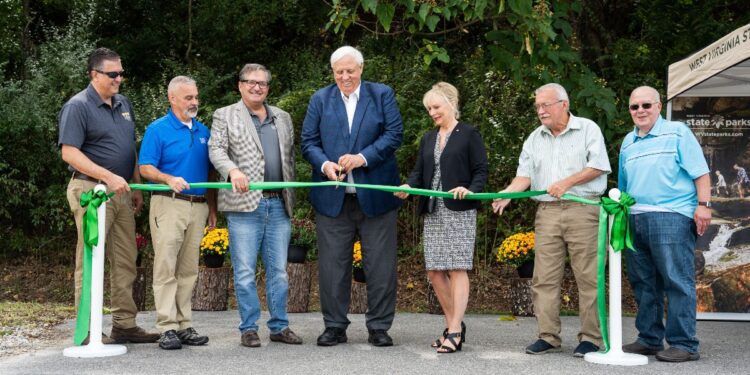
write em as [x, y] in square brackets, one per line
[659, 168]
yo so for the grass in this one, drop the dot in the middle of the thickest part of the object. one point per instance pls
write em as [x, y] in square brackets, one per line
[31, 314]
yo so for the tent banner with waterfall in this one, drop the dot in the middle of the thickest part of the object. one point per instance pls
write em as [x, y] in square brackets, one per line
[710, 92]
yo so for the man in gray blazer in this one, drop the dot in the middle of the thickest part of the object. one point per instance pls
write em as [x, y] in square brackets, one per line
[251, 141]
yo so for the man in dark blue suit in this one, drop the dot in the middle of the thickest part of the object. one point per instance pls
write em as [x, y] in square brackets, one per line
[351, 132]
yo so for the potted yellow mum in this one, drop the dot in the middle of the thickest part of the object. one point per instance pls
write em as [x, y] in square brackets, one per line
[214, 246]
[358, 272]
[517, 250]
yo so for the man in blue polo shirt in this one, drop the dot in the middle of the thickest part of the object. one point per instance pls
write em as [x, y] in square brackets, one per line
[175, 152]
[662, 166]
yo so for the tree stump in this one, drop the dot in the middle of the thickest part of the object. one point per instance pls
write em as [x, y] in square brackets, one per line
[433, 304]
[358, 301]
[139, 288]
[211, 291]
[520, 297]
[300, 279]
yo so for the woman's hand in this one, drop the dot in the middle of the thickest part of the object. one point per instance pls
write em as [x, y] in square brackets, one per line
[401, 194]
[460, 192]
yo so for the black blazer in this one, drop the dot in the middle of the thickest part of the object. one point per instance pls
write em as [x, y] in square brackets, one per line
[462, 163]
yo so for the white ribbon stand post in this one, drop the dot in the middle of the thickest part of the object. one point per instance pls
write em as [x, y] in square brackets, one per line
[615, 355]
[95, 347]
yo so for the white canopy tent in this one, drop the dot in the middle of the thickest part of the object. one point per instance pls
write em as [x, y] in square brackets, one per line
[720, 70]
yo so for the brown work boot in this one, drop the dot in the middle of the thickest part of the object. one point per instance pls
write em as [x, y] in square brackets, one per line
[250, 339]
[287, 337]
[135, 335]
[105, 340]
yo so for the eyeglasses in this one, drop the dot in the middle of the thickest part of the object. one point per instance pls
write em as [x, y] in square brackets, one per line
[251, 83]
[112, 75]
[647, 105]
[546, 105]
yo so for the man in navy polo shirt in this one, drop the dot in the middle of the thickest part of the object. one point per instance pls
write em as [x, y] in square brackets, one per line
[97, 140]
[175, 152]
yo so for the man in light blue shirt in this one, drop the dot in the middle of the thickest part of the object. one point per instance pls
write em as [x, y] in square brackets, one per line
[662, 166]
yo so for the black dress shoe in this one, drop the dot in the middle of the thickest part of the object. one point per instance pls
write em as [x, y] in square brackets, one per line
[379, 337]
[332, 336]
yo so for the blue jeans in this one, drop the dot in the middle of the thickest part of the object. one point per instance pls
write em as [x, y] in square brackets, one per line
[266, 230]
[663, 264]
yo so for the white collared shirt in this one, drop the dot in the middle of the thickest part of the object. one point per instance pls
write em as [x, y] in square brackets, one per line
[351, 105]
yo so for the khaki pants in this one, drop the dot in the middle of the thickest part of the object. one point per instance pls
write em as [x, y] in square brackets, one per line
[562, 226]
[120, 250]
[176, 230]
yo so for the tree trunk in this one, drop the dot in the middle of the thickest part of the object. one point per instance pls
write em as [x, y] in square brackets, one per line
[140, 285]
[300, 279]
[358, 303]
[520, 297]
[211, 289]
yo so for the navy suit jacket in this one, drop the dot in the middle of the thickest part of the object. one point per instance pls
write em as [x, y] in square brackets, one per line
[377, 131]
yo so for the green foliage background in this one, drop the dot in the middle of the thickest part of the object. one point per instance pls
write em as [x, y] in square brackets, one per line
[495, 52]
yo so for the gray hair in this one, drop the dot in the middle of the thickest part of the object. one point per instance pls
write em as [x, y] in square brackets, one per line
[561, 93]
[347, 51]
[447, 93]
[654, 93]
[249, 68]
[180, 80]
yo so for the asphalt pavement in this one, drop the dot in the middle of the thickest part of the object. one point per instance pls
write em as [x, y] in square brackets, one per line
[493, 346]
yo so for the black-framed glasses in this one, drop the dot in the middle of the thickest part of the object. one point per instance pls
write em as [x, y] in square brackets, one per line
[546, 105]
[112, 75]
[647, 105]
[251, 83]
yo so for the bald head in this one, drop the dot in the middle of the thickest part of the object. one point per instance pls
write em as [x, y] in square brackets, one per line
[647, 91]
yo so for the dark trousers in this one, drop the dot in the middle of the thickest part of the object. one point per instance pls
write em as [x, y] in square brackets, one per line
[336, 237]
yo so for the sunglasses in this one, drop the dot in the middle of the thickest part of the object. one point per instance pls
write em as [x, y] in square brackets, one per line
[112, 75]
[634, 107]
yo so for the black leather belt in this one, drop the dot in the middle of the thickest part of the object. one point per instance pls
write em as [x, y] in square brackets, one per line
[80, 176]
[185, 197]
[271, 194]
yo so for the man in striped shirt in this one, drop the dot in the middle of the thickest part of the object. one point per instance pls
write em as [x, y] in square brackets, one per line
[565, 154]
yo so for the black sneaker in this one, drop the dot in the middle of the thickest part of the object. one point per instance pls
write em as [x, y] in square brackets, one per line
[541, 347]
[585, 347]
[169, 340]
[189, 336]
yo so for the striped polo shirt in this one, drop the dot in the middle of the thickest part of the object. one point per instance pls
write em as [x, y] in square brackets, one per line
[546, 159]
[659, 169]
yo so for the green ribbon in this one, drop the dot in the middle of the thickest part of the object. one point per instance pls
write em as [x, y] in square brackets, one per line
[621, 236]
[91, 201]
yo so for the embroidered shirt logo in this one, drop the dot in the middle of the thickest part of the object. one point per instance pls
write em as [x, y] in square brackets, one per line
[203, 140]
[126, 116]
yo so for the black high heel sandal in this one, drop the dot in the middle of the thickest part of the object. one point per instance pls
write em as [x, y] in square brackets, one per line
[444, 349]
[437, 342]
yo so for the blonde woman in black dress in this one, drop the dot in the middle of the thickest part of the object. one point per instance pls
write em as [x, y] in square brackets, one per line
[451, 158]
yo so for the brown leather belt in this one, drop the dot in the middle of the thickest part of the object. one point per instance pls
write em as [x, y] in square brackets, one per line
[271, 194]
[80, 176]
[185, 197]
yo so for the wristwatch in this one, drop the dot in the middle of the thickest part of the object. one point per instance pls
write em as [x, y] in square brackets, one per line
[706, 204]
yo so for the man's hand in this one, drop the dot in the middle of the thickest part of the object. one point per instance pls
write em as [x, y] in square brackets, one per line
[460, 192]
[349, 162]
[137, 198]
[211, 220]
[117, 184]
[402, 194]
[702, 219]
[178, 184]
[240, 182]
[333, 171]
[558, 188]
[498, 205]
